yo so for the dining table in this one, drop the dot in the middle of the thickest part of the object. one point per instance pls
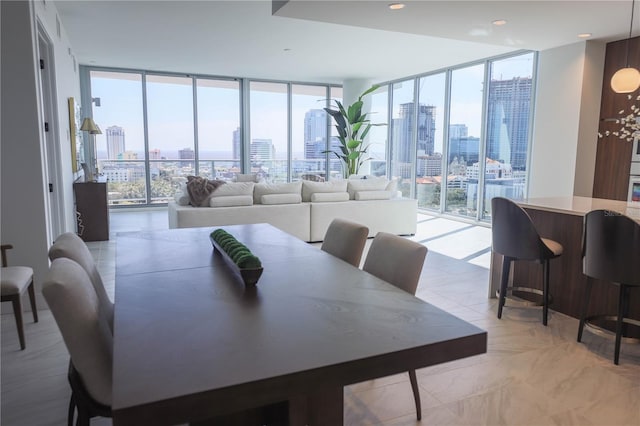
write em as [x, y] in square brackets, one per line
[194, 344]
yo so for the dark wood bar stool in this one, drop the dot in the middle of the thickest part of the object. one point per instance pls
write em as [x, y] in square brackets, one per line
[515, 237]
[611, 252]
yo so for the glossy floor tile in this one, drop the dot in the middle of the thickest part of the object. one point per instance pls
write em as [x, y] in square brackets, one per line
[530, 375]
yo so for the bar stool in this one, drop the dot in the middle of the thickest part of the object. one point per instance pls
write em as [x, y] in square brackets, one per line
[611, 252]
[515, 237]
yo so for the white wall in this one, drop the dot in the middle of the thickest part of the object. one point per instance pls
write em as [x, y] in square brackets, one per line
[565, 130]
[24, 191]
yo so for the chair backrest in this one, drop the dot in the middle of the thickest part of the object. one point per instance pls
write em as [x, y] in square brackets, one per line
[75, 307]
[513, 232]
[72, 247]
[396, 260]
[611, 247]
[345, 240]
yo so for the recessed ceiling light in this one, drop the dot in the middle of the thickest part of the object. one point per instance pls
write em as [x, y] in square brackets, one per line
[584, 35]
[286, 49]
[499, 22]
[396, 6]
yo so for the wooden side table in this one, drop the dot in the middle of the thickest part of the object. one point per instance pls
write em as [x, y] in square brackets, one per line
[91, 210]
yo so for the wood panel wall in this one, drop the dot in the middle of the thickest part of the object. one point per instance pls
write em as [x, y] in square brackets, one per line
[613, 155]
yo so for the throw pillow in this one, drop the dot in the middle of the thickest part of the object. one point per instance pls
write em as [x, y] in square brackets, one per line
[369, 184]
[234, 188]
[329, 197]
[334, 185]
[373, 195]
[200, 190]
[246, 177]
[272, 199]
[261, 189]
[231, 201]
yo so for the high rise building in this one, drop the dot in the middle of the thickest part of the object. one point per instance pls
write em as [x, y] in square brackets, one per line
[262, 149]
[186, 154]
[462, 147]
[508, 121]
[154, 154]
[403, 129]
[115, 142]
[315, 133]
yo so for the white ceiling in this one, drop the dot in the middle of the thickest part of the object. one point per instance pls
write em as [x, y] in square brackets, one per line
[330, 41]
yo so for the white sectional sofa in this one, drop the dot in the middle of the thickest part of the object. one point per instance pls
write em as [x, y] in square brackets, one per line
[304, 209]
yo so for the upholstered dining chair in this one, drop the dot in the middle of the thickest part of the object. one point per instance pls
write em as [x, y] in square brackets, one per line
[71, 246]
[515, 237]
[611, 253]
[398, 261]
[345, 240]
[87, 336]
[14, 281]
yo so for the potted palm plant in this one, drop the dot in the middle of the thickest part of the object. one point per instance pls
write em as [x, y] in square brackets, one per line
[352, 126]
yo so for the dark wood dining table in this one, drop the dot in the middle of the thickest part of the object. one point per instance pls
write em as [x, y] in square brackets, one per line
[192, 343]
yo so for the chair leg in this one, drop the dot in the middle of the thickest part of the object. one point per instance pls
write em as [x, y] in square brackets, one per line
[83, 416]
[622, 308]
[504, 280]
[416, 393]
[32, 300]
[72, 409]
[585, 306]
[545, 292]
[17, 311]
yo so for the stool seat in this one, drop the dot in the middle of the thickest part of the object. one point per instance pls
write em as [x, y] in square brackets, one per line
[554, 246]
[15, 279]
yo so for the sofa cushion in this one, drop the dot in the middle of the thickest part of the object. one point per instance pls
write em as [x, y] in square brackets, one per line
[327, 197]
[370, 184]
[373, 195]
[393, 184]
[334, 185]
[261, 189]
[272, 199]
[231, 201]
[233, 189]
[200, 190]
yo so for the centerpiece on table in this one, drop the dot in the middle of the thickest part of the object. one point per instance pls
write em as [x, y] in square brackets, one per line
[237, 256]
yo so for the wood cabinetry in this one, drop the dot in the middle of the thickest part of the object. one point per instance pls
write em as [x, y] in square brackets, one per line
[92, 214]
[613, 156]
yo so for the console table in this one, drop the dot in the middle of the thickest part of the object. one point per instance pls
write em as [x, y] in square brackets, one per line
[92, 214]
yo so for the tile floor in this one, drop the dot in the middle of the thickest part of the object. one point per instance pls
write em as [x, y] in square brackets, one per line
[530, 375]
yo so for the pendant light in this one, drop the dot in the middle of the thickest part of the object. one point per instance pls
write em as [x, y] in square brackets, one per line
[627, 79]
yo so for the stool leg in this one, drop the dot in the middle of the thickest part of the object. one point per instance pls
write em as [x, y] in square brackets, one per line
[416, 392]
[32, 300]
[504, 280]
[585, 305]
[545, 292]
[622, 301]
[17, 312]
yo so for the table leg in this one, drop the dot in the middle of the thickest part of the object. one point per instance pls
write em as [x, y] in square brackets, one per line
[318, 409]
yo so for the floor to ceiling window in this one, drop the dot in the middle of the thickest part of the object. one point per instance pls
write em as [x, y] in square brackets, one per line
[308, 132]
[219, 130]
[160, 128]
[170, 133]
[378, 135]
[269, 123]
[120, 149]
[430, 146]
[463, 145]
[508, 114]
[402, 134]
[465, 131]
